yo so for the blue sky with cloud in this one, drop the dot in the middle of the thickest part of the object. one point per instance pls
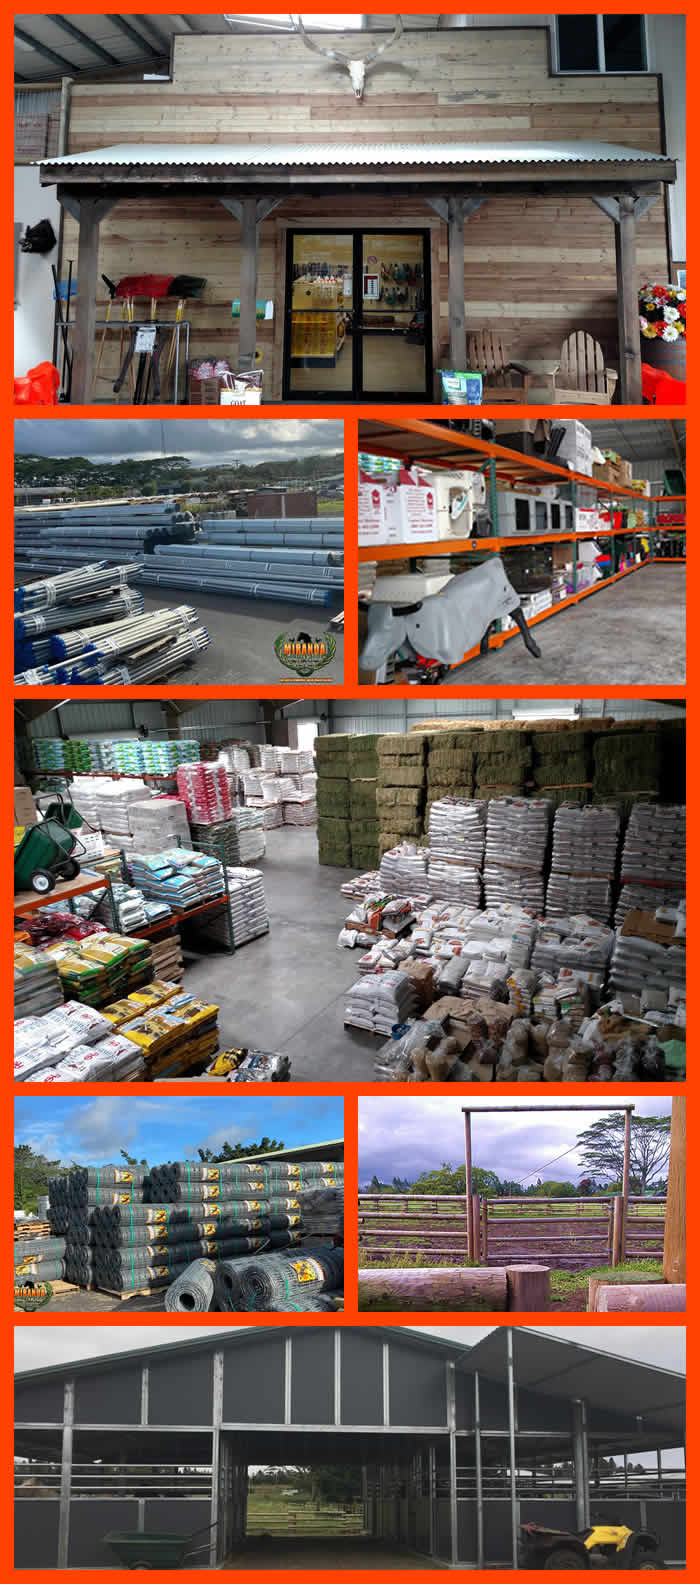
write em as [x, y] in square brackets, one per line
[92, 1131]
[404, 1136]
[206, 442]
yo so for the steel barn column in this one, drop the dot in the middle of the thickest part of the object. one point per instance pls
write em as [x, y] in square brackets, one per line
[452, 1427]
[479, 1474]
[510, 1368]
[579, 1436]
[66, 1474]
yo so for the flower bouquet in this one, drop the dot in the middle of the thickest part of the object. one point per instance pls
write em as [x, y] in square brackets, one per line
[662, 313]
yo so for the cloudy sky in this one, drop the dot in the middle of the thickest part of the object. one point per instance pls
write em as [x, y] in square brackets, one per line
[92, 1131]
[402, 1137]
[36, 1345]
[204, 441]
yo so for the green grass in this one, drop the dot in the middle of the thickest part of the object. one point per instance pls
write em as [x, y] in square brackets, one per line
[331, 508]
[565, 1283]
[421, 1260]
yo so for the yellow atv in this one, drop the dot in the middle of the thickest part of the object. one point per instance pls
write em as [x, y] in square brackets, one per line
[603, 1545]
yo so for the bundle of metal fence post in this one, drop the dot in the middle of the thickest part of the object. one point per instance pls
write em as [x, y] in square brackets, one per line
[193, 1291]
[61, 618]
[153, 669]
[70, 586]
[208, 561]
[122, 636]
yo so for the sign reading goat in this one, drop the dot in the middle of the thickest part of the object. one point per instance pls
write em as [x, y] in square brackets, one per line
[356, 68]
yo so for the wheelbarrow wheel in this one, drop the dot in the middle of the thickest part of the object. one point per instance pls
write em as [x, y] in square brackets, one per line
[71, 869]
[42, 881]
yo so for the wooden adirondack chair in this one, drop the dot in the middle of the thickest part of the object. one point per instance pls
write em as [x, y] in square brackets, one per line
[582, 373]
[486, 355]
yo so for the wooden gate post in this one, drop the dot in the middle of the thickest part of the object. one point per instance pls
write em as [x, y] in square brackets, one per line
[476, 1228]
[674, 1230]
[617, 1230]
[468, 1182]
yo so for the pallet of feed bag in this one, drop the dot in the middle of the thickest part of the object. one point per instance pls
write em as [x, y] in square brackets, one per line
[363, 799]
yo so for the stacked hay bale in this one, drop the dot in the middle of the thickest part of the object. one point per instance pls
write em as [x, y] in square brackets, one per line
[503, 761]
[333, 799]
[450, 766]
[562, 762]
[401, 787]
[639, 761]
[364, 819]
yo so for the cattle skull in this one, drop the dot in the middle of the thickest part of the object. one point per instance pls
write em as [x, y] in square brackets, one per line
[356, 68]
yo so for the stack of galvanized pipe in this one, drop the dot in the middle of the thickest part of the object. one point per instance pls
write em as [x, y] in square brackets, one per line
[114, 643]
[261, 558]
[62, 536]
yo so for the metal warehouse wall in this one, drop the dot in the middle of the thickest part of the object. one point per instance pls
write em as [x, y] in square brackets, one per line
[354, 715]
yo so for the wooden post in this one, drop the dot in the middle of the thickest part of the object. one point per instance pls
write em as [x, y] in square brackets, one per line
[625, 1183]
[641, 1298]
[91, 211]
[431, 1287]
[455, 282]
[247, 332]
[476, 1227]
[485, 1230]
[617, 1279]
[617, 1230]
[674, 1230]
[628, 334]
[528, 1287]
[468, 1181]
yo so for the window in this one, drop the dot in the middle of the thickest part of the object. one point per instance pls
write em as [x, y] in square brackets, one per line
[595, 43]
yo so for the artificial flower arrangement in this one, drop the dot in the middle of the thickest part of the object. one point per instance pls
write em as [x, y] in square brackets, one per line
[662, 312]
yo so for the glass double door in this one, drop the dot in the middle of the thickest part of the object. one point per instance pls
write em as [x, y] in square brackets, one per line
[357, 316]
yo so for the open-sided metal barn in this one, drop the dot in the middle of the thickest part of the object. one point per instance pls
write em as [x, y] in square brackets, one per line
[457, 1444]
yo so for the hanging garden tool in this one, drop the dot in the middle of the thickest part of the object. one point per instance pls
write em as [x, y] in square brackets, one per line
[146, 339]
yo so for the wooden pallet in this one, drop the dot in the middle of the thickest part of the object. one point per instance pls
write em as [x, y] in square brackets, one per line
[39, 1229]
[135, 1292]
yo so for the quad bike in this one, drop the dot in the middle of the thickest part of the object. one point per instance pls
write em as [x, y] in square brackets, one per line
[602, 1545]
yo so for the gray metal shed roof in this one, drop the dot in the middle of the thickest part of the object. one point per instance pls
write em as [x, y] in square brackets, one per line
[357, 154]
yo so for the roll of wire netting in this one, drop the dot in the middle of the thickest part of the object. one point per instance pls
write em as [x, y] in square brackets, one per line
[275, 1280]
[193, 1291]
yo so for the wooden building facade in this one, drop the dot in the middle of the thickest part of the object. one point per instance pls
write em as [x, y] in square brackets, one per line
[542, 248]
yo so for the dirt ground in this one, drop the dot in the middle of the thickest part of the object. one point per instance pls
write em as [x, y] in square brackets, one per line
[335, 1554]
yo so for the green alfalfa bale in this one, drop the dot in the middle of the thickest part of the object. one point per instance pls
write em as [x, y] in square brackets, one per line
[407, 775]
[367, 829]
[458, 789]
[366, 855]
[567, 794]
[461, 776]
[364, 743]
[333, 798]
[337, 768]
[402, 745]
[332, 742]
[450, 759]
[334, 838]
[560, 740]
[512, 762]
[409, 798]
[363, 799]
[567, 771]
[507, 789]
[625, 763]
[364, 767]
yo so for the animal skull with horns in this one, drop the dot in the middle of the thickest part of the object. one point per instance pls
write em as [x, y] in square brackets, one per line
[356, 68]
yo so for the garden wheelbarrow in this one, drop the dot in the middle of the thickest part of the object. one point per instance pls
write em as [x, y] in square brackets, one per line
[46, 851]
[157, 1549]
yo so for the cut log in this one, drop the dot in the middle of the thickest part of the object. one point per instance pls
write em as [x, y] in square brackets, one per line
[618, 1279]
[432, 1288]
[674, 1231]
[632, 1298]
[528, 1287]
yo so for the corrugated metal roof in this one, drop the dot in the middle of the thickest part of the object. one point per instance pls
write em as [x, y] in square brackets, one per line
[141, 154]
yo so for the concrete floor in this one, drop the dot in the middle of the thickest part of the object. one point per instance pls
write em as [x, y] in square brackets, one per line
[286, 990]
[335, 1553]
[243, 634]
[632, 632]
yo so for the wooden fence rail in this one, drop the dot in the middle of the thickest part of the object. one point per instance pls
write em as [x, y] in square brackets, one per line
[601, 1230]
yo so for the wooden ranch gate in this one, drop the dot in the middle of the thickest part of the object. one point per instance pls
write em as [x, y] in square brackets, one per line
[562, 1233]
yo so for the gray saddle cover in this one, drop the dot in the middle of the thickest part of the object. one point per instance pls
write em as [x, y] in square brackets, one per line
[447, 624]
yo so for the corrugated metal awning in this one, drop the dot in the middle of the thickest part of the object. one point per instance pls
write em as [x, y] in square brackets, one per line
[358, 155]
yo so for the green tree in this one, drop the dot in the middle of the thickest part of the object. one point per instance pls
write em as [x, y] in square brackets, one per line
[32, 1173]
[131, 1160]
[601, 1148]
[230, 1152]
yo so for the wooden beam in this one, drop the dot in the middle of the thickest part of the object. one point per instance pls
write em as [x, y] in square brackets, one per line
[455, 283]
[91, 211]
[628, 334]
[674, 1231]
[250, 211]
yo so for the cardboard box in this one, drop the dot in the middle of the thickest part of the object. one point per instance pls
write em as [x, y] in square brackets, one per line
[372, 519]
[411, 514]
[576, 447]
[25, 812]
